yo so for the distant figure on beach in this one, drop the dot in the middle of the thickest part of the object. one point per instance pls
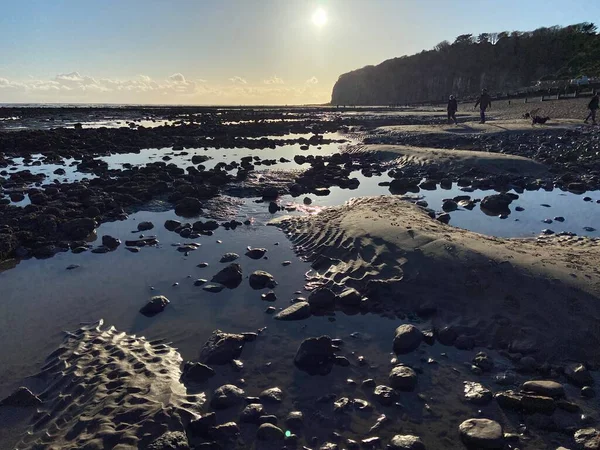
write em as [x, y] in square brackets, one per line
[484, 101]
[452, 108]
[593, 106]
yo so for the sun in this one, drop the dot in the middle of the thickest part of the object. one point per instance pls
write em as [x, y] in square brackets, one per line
[319, 17]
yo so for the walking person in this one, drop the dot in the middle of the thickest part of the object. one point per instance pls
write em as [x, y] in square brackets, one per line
[593, 106]
[484, 101]
[452, 108]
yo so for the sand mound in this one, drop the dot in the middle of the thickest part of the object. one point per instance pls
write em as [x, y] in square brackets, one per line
[110, 390]
[527, 296]
[449, 160]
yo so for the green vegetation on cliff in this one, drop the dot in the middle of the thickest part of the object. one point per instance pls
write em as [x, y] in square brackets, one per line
[501, 62]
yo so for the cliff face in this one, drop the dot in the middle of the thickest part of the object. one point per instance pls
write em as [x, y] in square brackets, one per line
[503, 63]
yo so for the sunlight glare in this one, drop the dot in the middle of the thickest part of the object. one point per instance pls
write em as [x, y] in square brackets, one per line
[319, 17]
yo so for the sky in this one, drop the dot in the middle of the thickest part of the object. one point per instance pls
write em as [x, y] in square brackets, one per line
[232, 52]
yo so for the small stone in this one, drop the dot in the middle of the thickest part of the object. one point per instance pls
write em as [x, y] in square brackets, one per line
[406, 442]
[156, 305]
[202, 265]
[229, 257]
[403, 378]
[295, 420]
[261, 280]
[144, 226]
[252, 413]
[213, 288]
[588, 392]
[269, 296]
[477, 394]
[272, 395]
[578, 375]
[407, 339]
[227, 396]
[200, 282]
[482, 434]
[385, 395]
[286, 263]
[297, 311]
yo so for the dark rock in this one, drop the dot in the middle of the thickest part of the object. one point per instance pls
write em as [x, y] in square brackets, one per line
[443, 218]
[261, 280]
[172, 225]
[171, 440]
[464, 342]
[110, 242]
[227, 432]
[297, 311]
[269, 432]
[509, 400]
[385, 395]
[350, 297]
[222, 348]
[252, 413]
[256, 253]
[315, 355]
[588, 392]
[188, 207]
[201, 427]
[78, 228]
[295, 420]
[269, 296]
[229, 257]
[403, 378]
[230, 276]
[496, 204]
[449, 205]
[144, 226]
[483, 361]
[156, 305]
[22, 398]
[407, 339]
[197, 372]
[271, 395]
[538, 403]
[227, 396]
[322, 298]
[481, 434]
[578, 375]
[213, 288]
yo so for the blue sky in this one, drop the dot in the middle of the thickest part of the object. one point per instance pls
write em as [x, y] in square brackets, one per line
[232, 51]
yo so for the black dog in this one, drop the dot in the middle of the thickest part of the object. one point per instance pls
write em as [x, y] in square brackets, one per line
[539, 120]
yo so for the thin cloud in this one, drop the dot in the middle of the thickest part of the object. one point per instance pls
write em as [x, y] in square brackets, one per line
[273, 80]
[312, 80]
[238, 80]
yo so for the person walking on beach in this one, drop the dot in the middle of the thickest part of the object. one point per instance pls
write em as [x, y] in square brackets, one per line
[484, 101]
[452, 108]
[593, 106]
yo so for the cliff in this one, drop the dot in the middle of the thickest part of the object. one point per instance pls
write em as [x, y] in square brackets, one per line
[500, 62]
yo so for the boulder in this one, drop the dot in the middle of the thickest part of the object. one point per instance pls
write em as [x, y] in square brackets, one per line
[350, 297]
[407, 339]
[385, 395]
[252, 413]
[578, 375]
[588, 438]
[110, 242]
[172, 225]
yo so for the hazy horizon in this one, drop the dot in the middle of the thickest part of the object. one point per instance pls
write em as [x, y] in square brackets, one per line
[230, 52]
